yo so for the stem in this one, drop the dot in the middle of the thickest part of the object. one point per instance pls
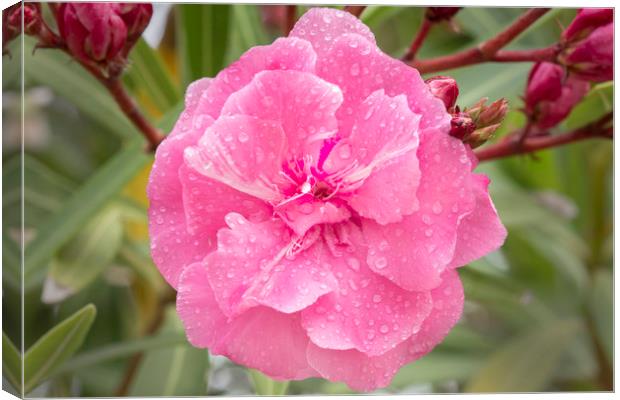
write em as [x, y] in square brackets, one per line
[355, 10]
[291, 18]
[510, 145]
[419, 40]
[486, 50]
[130, 109]
[545, 54]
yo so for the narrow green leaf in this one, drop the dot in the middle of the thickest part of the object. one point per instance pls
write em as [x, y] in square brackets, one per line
[265, 386]
[601, 305]
[202, 31]
[147, 67]
[87, 200]
[11, 363]
[247, 22]
[438, 367]
[56, 346]
[85, 256]
[173, 371]
[73, 83]
[527, 363]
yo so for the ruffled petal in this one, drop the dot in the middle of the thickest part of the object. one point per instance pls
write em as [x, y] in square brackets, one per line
[359, 68]
[380, 159]
[480, 232]
[321, 26]
[302, 103]
[413, 253]
[367, 312]
[264, 339]
[172, 246]
[245, 153]
[366, 373]
[283, 54]
[254, 265]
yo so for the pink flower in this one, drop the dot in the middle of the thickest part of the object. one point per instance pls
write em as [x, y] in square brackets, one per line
[586, 20]
[550, 95]
[310, 209]
[102, 33]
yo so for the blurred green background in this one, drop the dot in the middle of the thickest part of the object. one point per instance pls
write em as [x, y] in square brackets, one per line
[100, 321]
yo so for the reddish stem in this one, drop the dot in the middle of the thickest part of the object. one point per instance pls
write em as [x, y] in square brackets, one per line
[291, 18]
[355, 10]
[512, 145]
[545, 54]
[486, 50]
[418, 41]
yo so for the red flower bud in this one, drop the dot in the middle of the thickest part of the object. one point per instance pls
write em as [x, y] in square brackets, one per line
[461, 125]
[12, 21]
[445, 89]
[544, 84]
[436, 14]
[586, 20]
[102, 33]
[551, 113]
[592, 58]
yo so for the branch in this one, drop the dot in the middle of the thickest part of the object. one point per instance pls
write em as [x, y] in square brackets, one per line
[512, 144]
[355, 10]
[291, 18]
[419, 40]
[486, 50]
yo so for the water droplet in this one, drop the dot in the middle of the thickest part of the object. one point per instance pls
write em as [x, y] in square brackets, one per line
[243, 137]
[353, 263]
[437, 208]
[384, 329]
[355, 69]
[381, 262]
[376, 298]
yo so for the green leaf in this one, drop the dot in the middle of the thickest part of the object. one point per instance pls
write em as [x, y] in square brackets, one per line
[85, 256]
[248, 25]
[265, 386]
[528, 362]
[56, 70]
[11, 363]
[598, 101]
[56, 346]
[174, 371]
[202, 32]
[119, 350]
[148, 69]
[602, 309]
[86, 201]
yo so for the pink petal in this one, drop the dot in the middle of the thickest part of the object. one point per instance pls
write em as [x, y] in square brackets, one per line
[359, 68]
[253, 266]
[367, 312]
[243, 152]
[383, 142]
[303, 104]
[269, 341]
[413, 253]
[283, 54]
[172, 246]
[302, 214]
[320, 26]
[365, 373]
[480, 232]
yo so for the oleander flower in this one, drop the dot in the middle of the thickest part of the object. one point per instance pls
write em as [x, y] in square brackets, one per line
[311, 209]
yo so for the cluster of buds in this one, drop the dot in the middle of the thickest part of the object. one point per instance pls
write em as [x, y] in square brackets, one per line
[587, 45]
[99, 35]
[551, 94]
[473, 125]
[102, 34]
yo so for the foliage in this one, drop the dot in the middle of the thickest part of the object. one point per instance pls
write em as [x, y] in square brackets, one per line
[539, 311]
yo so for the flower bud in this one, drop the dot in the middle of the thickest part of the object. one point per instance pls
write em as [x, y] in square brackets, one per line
[102, 33]
[461, 125]
[445, 89]
[550, 113]
[436, 14]
[543, 84]
[476, 124]
[592, 58]
[586, 20]
[12, 21]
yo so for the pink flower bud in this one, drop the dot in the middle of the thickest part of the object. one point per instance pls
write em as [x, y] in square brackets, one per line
[102, 33]
[461, 125]
[592, 58]
[436, 14]
[12, 21]
[550, 113]
[476, 124]
[544, 84]
[586, 21]
[445, 89]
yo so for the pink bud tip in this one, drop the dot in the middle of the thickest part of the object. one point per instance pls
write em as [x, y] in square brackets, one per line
[436, 14]
[445, 89]
[586, 20]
